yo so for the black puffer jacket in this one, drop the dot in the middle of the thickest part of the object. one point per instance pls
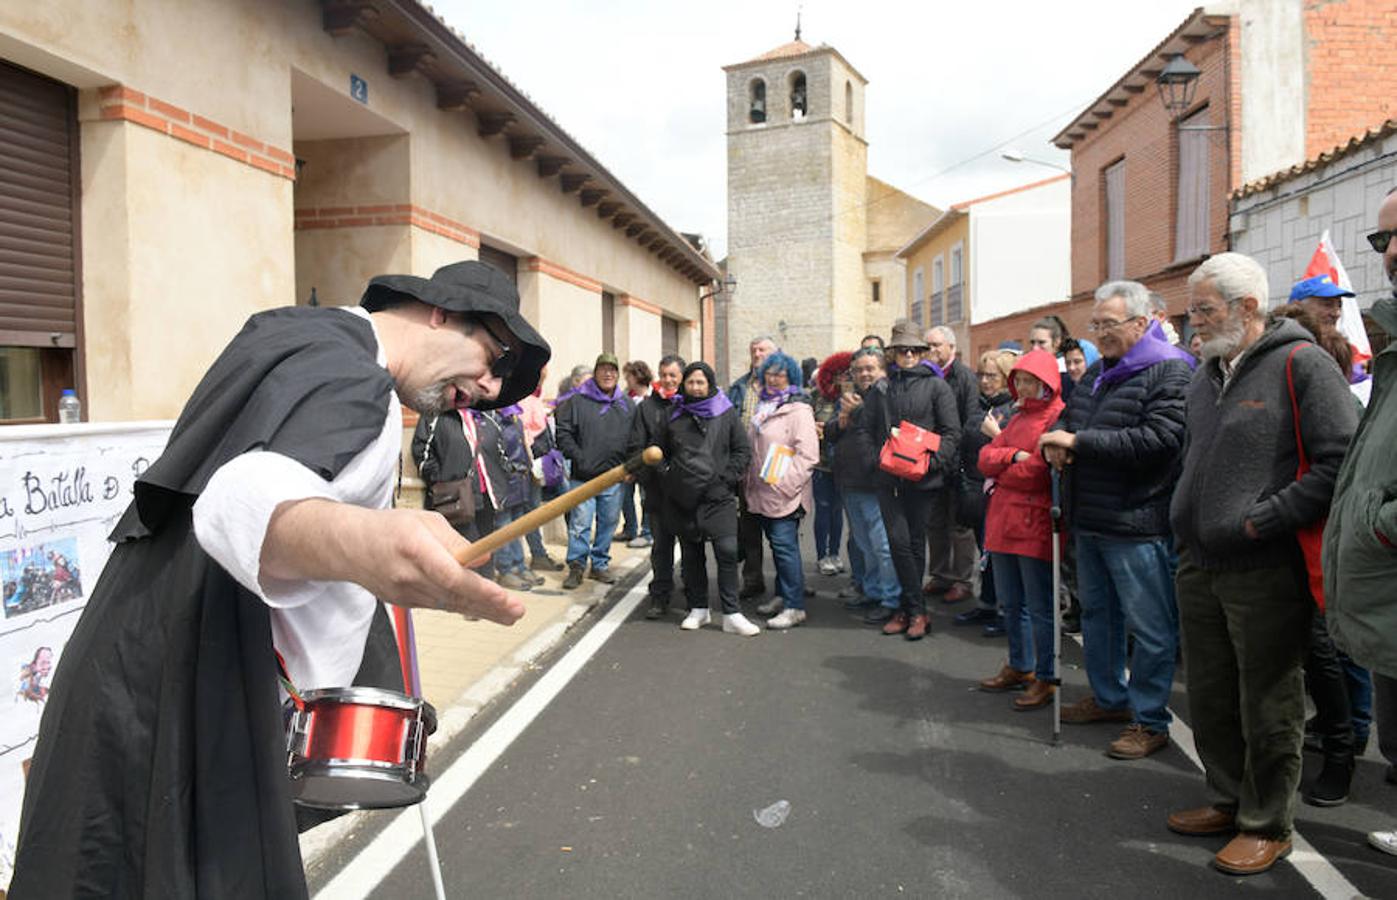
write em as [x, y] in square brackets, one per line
[966, 388]
[1129, 450]
[440, 449]
[719, 445]
[648, 425]
[855, 463]
[593, 440]
[917, 395]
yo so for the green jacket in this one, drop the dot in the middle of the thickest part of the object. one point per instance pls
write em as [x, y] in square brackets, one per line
[1360, 542]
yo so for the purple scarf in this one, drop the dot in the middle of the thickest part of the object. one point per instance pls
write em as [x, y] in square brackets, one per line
[707, 408]
[1152, 348]
[558, 400]
[940, 373]
[788, 391]
[514, 409]
[617, 397]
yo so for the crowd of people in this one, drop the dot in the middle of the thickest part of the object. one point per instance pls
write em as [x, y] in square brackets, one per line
[1195, 481]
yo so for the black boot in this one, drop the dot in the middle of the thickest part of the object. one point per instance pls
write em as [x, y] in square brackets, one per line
[1330, 787]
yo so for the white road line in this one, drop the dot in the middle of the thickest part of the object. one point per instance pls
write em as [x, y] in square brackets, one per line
[366, 870]
[1328, 881]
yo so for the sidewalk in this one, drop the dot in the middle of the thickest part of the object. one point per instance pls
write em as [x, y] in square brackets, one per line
[465, 665]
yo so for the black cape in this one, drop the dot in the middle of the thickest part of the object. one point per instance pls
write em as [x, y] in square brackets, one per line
[160, 767]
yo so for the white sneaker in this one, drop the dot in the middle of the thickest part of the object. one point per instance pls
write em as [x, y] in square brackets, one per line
[737, 623]
[788, 618]
[839, 564]
[1386, 841]
[828, 566]
[772, 606]
[696, 619]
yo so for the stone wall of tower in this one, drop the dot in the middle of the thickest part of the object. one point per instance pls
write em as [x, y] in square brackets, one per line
[796, 220]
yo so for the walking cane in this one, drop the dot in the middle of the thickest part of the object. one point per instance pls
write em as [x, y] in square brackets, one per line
[1057, 605]
[650, 456]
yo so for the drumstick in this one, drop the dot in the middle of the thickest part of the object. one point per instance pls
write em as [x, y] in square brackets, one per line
[521, 526]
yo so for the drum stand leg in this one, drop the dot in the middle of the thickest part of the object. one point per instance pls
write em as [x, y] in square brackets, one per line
[431, 850]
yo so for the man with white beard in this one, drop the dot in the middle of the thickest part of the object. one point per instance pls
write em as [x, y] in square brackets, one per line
[1244, 599]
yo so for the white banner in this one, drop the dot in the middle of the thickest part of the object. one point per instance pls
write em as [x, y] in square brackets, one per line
[62, 490]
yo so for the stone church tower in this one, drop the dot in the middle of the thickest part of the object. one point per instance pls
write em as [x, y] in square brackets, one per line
[801, 209]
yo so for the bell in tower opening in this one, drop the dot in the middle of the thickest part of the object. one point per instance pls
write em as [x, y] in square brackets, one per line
[798, 95]
[756, 113]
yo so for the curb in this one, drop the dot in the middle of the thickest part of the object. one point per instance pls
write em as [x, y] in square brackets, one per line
[451, 721]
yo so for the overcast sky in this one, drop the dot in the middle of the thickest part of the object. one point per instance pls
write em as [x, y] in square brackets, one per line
[641, 86]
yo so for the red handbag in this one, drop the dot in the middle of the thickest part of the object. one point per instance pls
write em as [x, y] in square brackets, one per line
[907, 451]
[1310, 537]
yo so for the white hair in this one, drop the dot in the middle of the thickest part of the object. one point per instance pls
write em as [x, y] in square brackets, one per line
[1135, 295]
[942, 332]
[1234, 276]
[762, 337]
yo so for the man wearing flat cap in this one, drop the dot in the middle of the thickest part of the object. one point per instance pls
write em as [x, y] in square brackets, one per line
[263, 534]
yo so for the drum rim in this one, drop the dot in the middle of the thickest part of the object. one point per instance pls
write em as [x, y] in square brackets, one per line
[366, 696]
[417, 784]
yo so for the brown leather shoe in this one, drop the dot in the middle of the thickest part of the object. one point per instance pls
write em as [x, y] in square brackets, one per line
[1202, 821]
[936, 586]
[1008, 679]
[917, 627]
[1137, 742]
[1086, 711]
[1037, 695]
[957, 593]
[1251, 854]
[897, 624]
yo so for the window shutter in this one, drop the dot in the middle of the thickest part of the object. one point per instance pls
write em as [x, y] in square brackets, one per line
[1115, 221]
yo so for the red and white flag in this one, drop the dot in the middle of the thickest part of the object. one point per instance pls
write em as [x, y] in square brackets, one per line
[1326, 262]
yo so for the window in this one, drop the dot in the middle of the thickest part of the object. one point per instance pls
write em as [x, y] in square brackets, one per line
[849, 102]
[1191, 204]
[918, 295]
[877, 291]
[503, 260]
[957, 273]
[938, 285]
[608, 322]
[798, 95]
[669, 336]
[1114, 178]
[756, 105]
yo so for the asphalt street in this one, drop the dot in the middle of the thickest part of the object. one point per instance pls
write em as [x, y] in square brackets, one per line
[662, 768]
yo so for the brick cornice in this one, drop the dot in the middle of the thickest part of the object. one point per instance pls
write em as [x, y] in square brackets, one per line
[312, 218]
[553, 270]
[628, 300]
[120, 103]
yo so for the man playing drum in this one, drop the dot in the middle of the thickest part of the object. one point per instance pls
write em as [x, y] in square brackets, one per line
[262, 532]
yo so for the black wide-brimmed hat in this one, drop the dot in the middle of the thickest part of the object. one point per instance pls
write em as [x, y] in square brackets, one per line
[478, 288]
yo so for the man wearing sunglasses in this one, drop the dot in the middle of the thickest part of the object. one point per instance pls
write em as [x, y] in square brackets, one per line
[258, 544]
[1360, 542]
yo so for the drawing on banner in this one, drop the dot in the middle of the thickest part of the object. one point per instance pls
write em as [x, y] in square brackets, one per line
[40, 575]
[34, 677]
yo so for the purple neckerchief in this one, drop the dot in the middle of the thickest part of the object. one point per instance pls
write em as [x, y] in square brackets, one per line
[1356, 374]
[787, 391]
[556, 401]
[940, 373]
[1152, 348]
[707, 408]
[514, 409]
[617, 397]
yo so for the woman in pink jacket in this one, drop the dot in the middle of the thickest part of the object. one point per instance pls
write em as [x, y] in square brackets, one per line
[785, 449]
[1018, 528]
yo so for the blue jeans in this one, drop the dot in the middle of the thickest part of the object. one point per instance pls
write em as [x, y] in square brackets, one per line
[1025, 588]
[604, 509]
[510, 557]
[535, 538]
[829, 515]
[1127, 588]
[866, 528]
[784, 536]
[628, 528]
[857, 569]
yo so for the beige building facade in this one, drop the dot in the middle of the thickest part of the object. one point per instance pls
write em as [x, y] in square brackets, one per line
[230, 157]
[812, 239]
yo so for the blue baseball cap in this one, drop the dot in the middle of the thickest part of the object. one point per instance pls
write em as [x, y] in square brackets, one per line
[1318, 286]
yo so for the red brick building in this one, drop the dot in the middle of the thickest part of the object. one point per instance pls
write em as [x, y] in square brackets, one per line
[1278, 80]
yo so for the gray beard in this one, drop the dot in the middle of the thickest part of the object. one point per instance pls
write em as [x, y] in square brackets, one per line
[1225, 344]
[430, 399]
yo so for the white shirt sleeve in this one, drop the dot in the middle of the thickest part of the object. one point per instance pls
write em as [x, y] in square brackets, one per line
[234, 509]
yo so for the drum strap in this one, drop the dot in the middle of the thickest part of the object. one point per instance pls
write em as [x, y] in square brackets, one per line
[286, 683]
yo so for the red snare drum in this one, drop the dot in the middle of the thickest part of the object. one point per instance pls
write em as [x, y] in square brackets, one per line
[358, 748]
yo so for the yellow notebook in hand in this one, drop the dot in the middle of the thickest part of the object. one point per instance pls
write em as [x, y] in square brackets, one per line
[777, 463]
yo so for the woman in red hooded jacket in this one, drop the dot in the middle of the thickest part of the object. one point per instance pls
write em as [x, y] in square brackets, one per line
[1018, 528]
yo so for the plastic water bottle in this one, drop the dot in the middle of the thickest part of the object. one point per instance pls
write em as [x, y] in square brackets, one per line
[69, 408]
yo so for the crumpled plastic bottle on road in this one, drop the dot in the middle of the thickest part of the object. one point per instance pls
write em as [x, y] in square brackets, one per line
[774, 816]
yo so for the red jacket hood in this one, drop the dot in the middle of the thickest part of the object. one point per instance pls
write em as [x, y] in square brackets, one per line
[1041, 365]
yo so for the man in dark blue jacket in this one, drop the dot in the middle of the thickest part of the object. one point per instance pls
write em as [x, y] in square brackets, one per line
[743, 394]
[1120, 440]
[593, 426]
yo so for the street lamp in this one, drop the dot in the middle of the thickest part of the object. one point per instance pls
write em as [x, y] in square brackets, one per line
[1177, 84]
[1014, 156]
[726, 286]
